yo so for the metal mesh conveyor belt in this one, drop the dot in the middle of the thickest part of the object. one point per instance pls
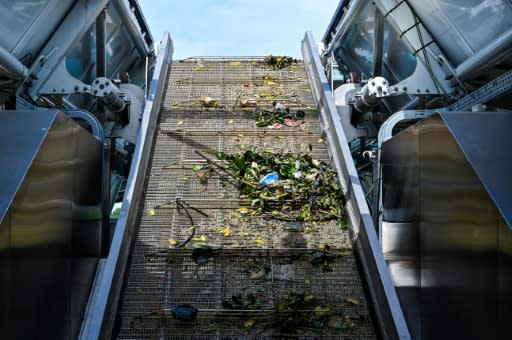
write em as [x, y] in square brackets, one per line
[168, 279]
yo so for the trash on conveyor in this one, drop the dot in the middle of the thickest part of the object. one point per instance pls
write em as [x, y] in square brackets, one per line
[184, 312]
[279, 62]
[269, 179]
[257, 260]
[248, 103]
[286, 186]
[279, 107]
[208, 102]
[280, 114]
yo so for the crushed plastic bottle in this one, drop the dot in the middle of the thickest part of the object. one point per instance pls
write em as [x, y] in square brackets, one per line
[270, 178]
[278, 107]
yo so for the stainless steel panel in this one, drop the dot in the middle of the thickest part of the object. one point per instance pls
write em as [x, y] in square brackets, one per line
[462, 28]
[27, 25]
[389, 315]
[102, 306]
[450, 259]
[487, 149]
[50, 228]
[15, 17]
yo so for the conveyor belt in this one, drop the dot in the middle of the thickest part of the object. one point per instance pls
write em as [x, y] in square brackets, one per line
[158, 283]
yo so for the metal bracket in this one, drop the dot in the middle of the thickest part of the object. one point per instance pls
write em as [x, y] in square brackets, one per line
[61, 82]
[51, 73]
[420, 82]
[492, 89]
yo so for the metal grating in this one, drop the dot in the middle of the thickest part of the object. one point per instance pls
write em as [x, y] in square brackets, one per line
[170, 276]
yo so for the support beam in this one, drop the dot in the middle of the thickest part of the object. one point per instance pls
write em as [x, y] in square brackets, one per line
[11, 65]
[491, 54]
[73, 28]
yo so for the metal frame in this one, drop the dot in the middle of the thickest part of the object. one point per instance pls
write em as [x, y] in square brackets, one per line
[49, 67]
[494, 52]
[94, 123]
[491, 90]
[11, 65]
[402, 19]
[389, 315]
[104, 298]
[129, 19]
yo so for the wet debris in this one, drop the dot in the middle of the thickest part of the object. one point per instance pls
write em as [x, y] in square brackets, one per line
[208, 102]
[279, 62]
[280, 114]
[283, 186]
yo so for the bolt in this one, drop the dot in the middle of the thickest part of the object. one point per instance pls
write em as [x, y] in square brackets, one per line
[62, 90]
[396, 89]
[404, 88]
[107, 83]
[105, 93]
[418, 90]
[427, 90]
[95, 91]
[77, 88]
[96, 81]
[85, 88]
[384, 82]
[384, 92]
[373, 83]
[54, 90]
[102, 86]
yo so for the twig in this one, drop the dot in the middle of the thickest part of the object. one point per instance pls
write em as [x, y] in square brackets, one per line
[226, 171]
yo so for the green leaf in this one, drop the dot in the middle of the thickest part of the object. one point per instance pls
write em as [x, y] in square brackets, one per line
[220, 155]
[212, 327]
[197, 168]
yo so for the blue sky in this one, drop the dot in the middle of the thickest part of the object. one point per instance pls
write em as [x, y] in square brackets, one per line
[237, 27]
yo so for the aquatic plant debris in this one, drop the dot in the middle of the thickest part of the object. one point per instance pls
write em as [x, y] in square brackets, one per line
[302, 188]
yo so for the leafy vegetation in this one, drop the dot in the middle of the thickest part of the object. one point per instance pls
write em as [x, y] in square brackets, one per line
[279, 62]
[306, 189]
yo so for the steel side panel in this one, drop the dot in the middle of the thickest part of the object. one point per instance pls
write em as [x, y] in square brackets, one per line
[102, 307]
[389, 313]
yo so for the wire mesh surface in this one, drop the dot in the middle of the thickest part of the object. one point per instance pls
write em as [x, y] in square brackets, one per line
[247, 256]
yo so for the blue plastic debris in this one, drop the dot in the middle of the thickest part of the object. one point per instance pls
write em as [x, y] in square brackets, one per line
[185, 312]
[270, 178]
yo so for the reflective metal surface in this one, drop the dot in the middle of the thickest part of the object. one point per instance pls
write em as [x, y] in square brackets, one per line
[103, 301]
[50, 226]
[448, 246]
[389, 316]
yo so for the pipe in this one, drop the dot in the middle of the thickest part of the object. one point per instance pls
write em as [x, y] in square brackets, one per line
[345, 23]
[336, 17]
[130, 23]
[101, 58]
[490, 54]
[12, 65]
[94, 123]
[101, 65]
[378, 43]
